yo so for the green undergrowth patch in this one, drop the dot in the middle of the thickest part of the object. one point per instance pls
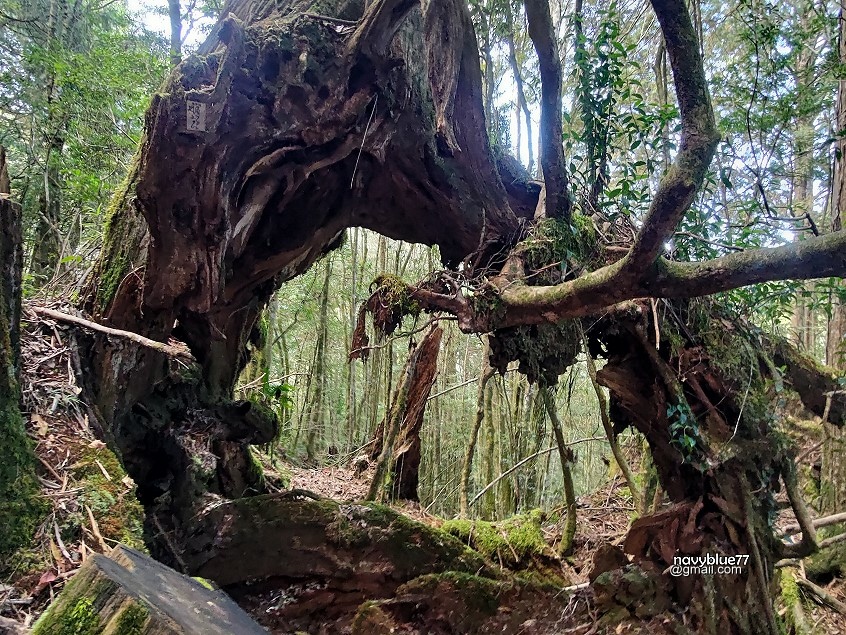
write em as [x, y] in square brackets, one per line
[513, 543]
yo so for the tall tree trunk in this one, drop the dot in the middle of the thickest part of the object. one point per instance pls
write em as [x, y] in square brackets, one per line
[175, 14]
[833, 469]
[317, 412]
[19, 492]
[565, 454]
[467, 466]
[542, 31]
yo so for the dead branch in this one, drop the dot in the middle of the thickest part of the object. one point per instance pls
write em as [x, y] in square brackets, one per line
[824, 596]
[808, 545]
[167, 349]
[825, 521]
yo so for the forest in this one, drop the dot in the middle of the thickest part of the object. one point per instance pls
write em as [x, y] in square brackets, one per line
[422, 316]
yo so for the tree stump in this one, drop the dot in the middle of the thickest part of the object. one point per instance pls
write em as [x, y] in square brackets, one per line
[128, 592]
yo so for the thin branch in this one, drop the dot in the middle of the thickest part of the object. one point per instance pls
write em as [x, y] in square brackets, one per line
[825, 521]
[523, 462]
[167, 349]
[824, 596]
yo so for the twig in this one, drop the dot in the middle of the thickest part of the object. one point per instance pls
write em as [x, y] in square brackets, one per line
[95, 529]
[824, 596]
[167, 349]
[520, 464]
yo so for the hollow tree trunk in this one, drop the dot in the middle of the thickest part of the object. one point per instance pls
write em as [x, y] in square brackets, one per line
[284, 129]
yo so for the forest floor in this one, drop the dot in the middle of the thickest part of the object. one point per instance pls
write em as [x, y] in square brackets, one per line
[92, 507]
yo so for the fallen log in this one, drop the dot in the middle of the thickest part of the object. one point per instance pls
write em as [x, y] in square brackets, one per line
[129, 592]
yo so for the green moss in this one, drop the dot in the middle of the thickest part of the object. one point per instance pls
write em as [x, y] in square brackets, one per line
[553, 241]
[510, 542]
[370, 619]
[115, 506]
[132, 620]
[204, 582]
[119, 226]
[22, 509]
[79, 619]
[544, 351]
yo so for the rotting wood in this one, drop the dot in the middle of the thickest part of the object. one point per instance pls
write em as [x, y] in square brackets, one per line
[129, 592]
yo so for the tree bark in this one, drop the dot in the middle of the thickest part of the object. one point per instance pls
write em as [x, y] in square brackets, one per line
[398, 463]
[19, 504]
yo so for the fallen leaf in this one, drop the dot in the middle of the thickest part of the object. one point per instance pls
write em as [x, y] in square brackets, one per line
[39, 424]
[47, 577]
[96, 444]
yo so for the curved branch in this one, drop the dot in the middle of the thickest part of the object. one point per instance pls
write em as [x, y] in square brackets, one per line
[596, 291]
[699, 136]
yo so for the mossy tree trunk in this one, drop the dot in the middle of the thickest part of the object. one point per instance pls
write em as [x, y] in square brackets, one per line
[282, 131]
[705, 404]
[19, 505]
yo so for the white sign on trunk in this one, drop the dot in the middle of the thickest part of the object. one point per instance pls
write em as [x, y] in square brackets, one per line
[195, 112]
